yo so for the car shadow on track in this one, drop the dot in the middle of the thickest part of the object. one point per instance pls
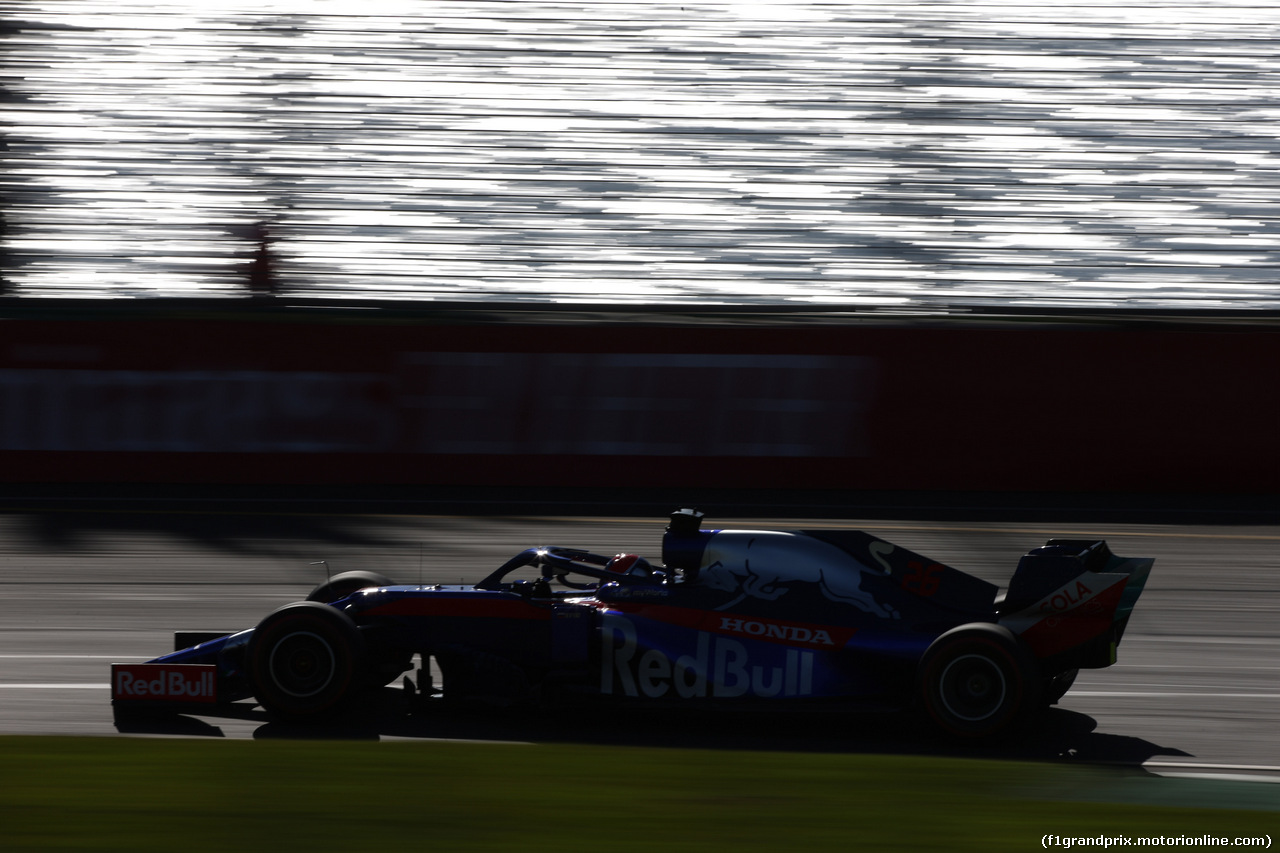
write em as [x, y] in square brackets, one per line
[1055, 735]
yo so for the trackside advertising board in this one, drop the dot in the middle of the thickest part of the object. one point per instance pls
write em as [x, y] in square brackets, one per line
[781, 405]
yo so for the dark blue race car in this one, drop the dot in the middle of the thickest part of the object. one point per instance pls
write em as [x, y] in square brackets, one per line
[813, 617]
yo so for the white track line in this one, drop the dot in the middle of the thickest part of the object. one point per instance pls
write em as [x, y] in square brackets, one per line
[1171, 694]
[116, 658]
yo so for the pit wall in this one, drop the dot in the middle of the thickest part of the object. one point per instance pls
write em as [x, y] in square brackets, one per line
[642, 401]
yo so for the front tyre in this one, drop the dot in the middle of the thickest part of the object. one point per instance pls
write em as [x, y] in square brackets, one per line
[305, 660]
[345, 583]
[977, 681]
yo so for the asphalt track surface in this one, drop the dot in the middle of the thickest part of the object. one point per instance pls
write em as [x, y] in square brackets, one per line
[1196, 687]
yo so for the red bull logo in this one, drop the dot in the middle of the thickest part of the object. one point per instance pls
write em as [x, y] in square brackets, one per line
[153, 682]
[719, 667]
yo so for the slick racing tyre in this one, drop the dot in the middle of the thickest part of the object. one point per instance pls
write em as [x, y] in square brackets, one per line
[304, 660]
[343, 584]
[977, 681]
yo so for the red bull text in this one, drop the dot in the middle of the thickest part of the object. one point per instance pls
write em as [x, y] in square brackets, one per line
[719, 667]
[149, 682]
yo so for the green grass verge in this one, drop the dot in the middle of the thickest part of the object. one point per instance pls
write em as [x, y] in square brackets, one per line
[142, 794]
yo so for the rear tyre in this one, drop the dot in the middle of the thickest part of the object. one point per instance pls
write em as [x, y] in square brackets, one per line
[977, 681]
[345, 583]
[305, 660]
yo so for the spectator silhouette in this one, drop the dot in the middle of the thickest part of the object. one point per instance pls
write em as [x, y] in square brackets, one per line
[262, 275]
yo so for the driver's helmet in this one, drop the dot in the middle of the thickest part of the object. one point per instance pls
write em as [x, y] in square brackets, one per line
[629, 564]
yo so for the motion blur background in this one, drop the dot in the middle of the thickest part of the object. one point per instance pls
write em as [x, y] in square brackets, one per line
[898, 252]
[860, 154]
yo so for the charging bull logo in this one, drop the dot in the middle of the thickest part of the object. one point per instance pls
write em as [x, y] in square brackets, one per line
[766, 565]
[719, 667]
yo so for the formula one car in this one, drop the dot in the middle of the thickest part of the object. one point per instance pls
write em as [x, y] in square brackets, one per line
[810, 617]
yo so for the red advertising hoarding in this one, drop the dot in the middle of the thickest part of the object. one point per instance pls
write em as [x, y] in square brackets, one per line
[785, 404]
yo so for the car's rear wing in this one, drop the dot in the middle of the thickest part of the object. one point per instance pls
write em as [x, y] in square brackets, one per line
[1070, 600]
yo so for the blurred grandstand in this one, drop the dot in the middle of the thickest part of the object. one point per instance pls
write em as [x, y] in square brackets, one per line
[901, 156]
